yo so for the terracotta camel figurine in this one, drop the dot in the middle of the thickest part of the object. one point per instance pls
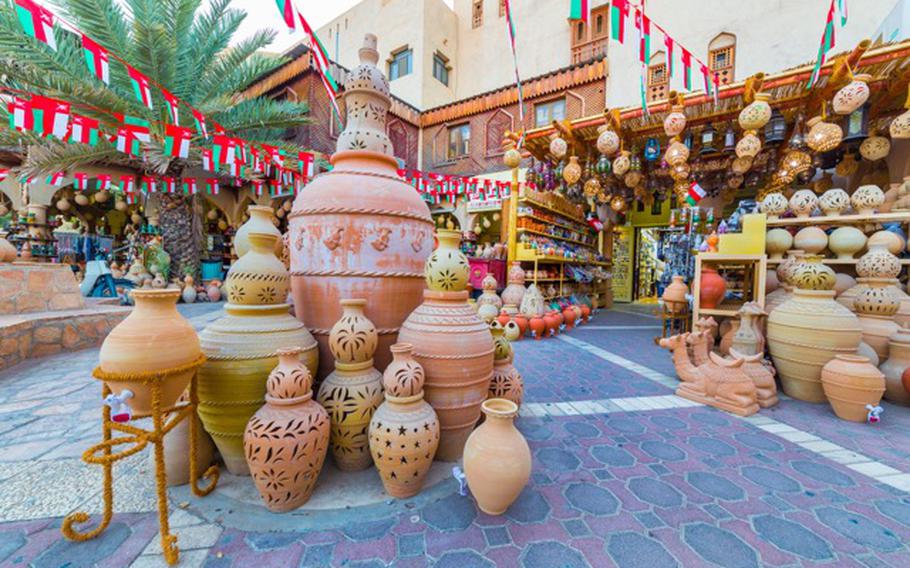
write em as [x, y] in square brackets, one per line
[708, 326]
[762, 374]
[688, 373]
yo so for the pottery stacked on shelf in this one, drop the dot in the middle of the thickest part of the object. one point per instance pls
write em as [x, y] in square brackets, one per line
[515, 291]
[360, 231]
[404, 431]
[784, 270]
[507, 382]
[353, 391]
[286, 441]
[455, 349]
[241, 347]
[260, 221]
[809, 329]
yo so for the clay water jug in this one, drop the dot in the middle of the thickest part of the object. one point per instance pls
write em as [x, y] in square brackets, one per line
[260, 221]
[748, 338]
[514, 293]
[497, 459]
[538, 327]
[507, 382]
[850, 383]
[674, 295]
[404, 431]
[286, 441]
[154, 337]
[711, 289]
[893, 369]
[360, 231]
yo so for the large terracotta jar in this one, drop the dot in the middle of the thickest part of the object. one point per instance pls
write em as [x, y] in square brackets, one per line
[353, 391]
[360, 231]
[507, 382]
[808, 330]
[154, 337]
[258, 277]
[287, 439]
[850, 383]
[404, 431]
[712, 288]
[674, 295]
[875, 306]
[497, 459]
[893, 369]
[489, 295]
[514, 293]
[260, 221]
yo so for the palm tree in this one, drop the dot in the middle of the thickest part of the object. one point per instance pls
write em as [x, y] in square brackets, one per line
[179, 44]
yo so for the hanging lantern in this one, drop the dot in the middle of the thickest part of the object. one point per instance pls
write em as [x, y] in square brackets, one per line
[681, 189]
[852, 96]
[680, 171]
[622, 163]
[677, 153]
[652, 149]
[675, 122]
[749, 145]
[120, 205]
[603, 165]
[633, 178]
[708, 140]
[63, 205]
[607, 140]
[776, 129]
[823, 136]
[81, 199]
[635, 164]
[741, 165]
[592, 187]
[512, 158]
[572, 172]
[603, 197]
[856, 124]
[757, 113]
[558, 146]
[875, 148]
[797, 161]
[618, 204]
[729, 139]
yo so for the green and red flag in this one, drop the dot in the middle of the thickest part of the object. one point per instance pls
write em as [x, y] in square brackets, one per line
[686, 58]
[306, 165]
[173, 106]
[578, 10]
[127, 184]
[705, 77]
[211, 186]
[80, 181]
[257, 187]
[189, 186]
[97, 59]
[127, 142]
[141, 87]
[41, 115]
[668, 44]
[55, 179]
[643, 82]
[287, 12]
[169, 184]
[103, 182]
[696, 193]
[141, 128]
[322, 62]
[827, 44]
[177, 141]
[643, 24]
[149, 185]
[842, 10]
[224, 149]
[4, 173]
[83, 130]
[619, 13]
[199, 119]
[37, 21]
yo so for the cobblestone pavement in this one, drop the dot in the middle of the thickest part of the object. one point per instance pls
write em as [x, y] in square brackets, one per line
[625, 474]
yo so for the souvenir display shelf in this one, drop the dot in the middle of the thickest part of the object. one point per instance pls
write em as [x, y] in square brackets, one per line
[754, 270]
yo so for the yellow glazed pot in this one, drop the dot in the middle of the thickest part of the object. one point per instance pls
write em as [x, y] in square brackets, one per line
[447, 268]
[258, 277]
[260, 221]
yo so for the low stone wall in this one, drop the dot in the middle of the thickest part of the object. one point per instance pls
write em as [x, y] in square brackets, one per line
[29, 287]
[37, 335]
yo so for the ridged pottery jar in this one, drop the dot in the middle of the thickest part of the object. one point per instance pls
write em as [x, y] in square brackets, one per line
[808, 330]
[353, 338]
[674, 295]
[404, 431]
[811, 239]
[360, 231]
[712, 288]
[893, 369]
[497, 459]
[875, 306]
[258, 277]
[287, 439]
[850, 383]
[777, 242]
[506, 382]
[455, 349]
[154, 337]
[260, 221]
[846, 241]
[514, 293]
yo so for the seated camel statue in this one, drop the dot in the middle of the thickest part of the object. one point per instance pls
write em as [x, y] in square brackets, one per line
[707, 326]
[762, 374]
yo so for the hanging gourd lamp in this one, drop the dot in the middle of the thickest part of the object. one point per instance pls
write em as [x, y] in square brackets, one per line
[603, 165]
[823, 136]
[607, 140]
[622, 163]
[749, 145]
[741, 165]
[675, 121]
[677, 153]
[572, 172]
[633, 178]
[592, 187]
[680, 171]
[618, 204]
[757, 113]
[853, 95]
[875, 147]
[558, 146]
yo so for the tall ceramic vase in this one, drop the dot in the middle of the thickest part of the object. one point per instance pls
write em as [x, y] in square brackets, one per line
[507, 382]
[810, 329]
[353, 391]
[455, 349]
[497, 459]
[898, 362]
[154, 337]
[404, 431]
[360, 231]
[260, 221]
[514, 293]
[241, 349]
[287, 439]
[712, 288]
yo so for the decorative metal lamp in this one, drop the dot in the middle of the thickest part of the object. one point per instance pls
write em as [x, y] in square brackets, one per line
[708, 138]
[729, 139]
[776, 129]
[652, 149]
[856, 124]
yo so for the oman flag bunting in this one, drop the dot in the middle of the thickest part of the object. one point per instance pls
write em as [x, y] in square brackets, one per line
[619, 13]
[4, 173]
[141, 128]
[686, 58]
[306, 164]
[80, 181]
[83, 130]
[103, 182]
[578, 10]
[643, 24]
[177, 141]
[189, 186]
[696, 193]
[37, 22]
[97, 60]
[287, 12]
[225, 149]
[55, 179]
[169, 184]
[211, 186]
[199, 119]
[257, 187]
[668, 43]
[127, 142]
[43, 116]
[207, 160]
[127, 184]
[140, 87]
[707, 80]
[827, 44]
[149, 185]
[173, 105]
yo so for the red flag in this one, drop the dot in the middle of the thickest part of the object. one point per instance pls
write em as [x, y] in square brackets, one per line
[668, 43]
[173, 105]
[619, 13]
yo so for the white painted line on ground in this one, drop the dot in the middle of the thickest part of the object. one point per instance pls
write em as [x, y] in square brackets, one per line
[618, 327]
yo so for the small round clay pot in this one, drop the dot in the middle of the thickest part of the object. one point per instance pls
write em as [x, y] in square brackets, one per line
[850, 382]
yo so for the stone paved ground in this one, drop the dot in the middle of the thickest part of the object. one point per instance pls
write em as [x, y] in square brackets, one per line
[625, 474]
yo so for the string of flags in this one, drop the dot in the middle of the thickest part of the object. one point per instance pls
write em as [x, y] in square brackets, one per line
[828, 39]
[434, 188]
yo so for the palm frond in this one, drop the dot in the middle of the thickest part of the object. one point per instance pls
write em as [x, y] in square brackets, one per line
[54, 156]
[103, 20]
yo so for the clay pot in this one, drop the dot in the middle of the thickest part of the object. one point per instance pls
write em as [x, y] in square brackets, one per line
[812, 274]
[608, 141]
[154, 337]
[404, 431]
[803, 202]
[260, 221]
[538, 327]
[177, 452]
[891, 241]
[748, 338]
[515, 291]
[774, 205]
[850, 383]
[503, 318]
[806, 332]
[455, 349]
[189, 290]
[353, 338]
[878, 263]
[853, 95]
[674, 295]
[569, 314]
[772, 283]
[487, 312]
[875, 148]
[585, 313]
[896, 366]
[846, 241]
[497, 459]
[756, 114]
[506, 382]
[551, 323]
[286, 441]
[522, 322]
[867, 198]
[489, 295]
[512, 331]
[214, 291]
[811, 239]
[823, 136]
[258, 277]
[674, 122]
[360, 231]
[875, 306]
[241, 350]
[532, 303]
[777, 242]
[833, 202]
[447, 268]
[842, 283]
[8, 252]
[712, 288]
